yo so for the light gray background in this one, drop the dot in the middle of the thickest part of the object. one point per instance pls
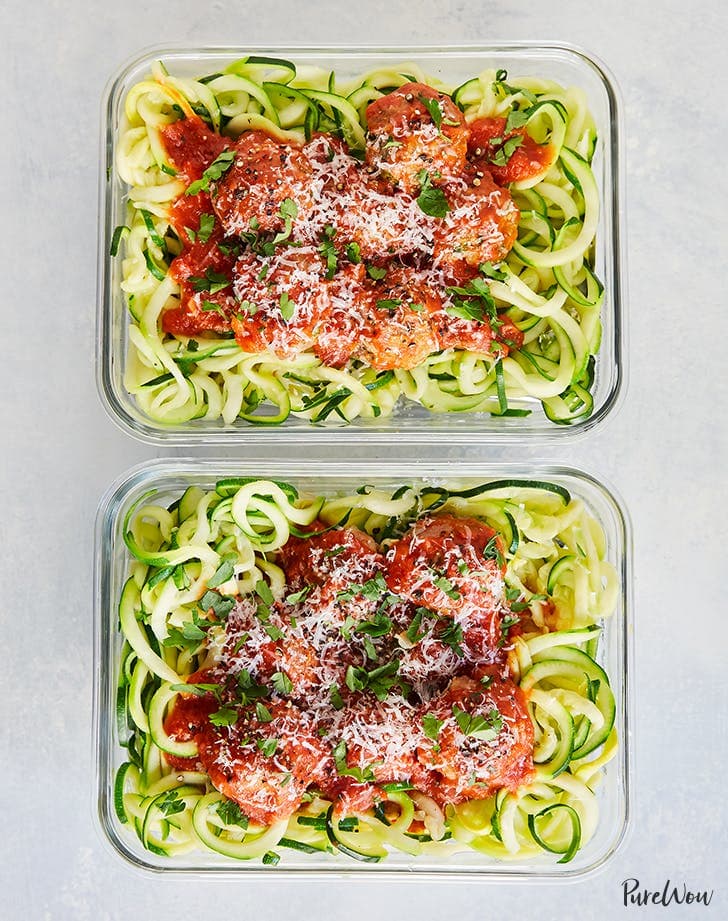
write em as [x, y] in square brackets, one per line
[665, 452]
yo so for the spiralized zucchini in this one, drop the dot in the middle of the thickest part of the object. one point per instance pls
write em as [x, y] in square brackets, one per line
[548, 287]
[556, 573]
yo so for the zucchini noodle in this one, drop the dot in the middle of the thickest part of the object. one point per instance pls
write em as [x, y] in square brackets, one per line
[546, 286]
[209, 548]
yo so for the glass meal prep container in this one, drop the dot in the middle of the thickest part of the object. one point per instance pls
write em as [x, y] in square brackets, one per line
[409, 421]
[163, 481]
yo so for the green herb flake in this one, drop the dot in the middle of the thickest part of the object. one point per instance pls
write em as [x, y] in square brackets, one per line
[490, 271]
[376, 273]
[432, 725]
[379, 625]
[214, 171]
[446, 586]
[219, 605]
[433, 107]
[231, 814]
[199, 690]
[267, 746]
[431, 201]
[211, 305]
[282, 684]
[336, 698]
[452, 636]
[225, 716]
[510, 620]
[212, 282]
[413, 633]
[262, 590]
[207, 224]
[485, 728]
[388, 303]
[223, 573]
[503, 154]
[353, 253]
[517, 118]
[287, 306]
[171, 803]
[287, 212]
[328, 251]
[298, 597]
[275, 633]
[263, 713]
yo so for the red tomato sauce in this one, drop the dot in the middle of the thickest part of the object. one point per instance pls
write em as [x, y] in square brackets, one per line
[327, 687]
[322, 252]
[526, 161]
[192, 145]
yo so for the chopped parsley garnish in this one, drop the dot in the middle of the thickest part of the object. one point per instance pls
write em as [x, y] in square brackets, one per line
[211, 305]
[490, 271]
[379, 625]
[473, 302]
[225, 716]
[297, 597]
[212, 282]
[207, 224]
[375, 272]
[413, 633]
[431, 200]
[452, 636]
[247, 689]
[262, 590]
[433, 107]
[517, 118]
[189, 637]
[282, 684]
[171, 803]
[263, 713]
[500, 85]
[275, 633]
[336, 698]
[219, 166]
[353, 253]
[328, 251]
[287, 212]
[485, 728]
[379, 681]
[388, 303]
[371, 590]
[267, 746]
[505, 151]
[224, 571]
[199, 690]
[510, 620]
[287, 306]
[432, 725]
[445, 585]
[362, 775]
[231, 814]
[219, 605]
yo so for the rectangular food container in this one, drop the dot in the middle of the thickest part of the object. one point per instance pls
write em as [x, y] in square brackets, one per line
[165, 480]
[411, 422]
